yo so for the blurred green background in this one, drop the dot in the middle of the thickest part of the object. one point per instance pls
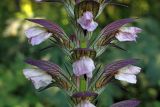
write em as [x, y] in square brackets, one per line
[16, 91]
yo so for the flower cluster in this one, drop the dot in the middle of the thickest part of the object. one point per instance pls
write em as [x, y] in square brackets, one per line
[83, 78]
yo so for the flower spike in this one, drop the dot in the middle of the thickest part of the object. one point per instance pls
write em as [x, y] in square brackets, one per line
[83, 79]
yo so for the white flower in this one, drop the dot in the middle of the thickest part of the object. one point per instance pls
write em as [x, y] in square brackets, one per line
[39, 78]
[85, 103]
[128, 74]
[83, 66]
[128, 33]
[37, 35]
[86, 22]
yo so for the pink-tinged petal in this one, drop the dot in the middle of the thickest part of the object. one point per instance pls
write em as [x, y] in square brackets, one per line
[34, 31]
[85, 103]
[86, 22]
[40, 38]
[130, 69]
[83, 66]
[125, 36]
[39, 78]
[126, 77]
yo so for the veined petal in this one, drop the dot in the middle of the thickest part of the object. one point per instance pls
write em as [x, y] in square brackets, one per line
[126, 77]
[85, 103]
[38, 77]
[36, 40]
[130, 69]
[34, 31]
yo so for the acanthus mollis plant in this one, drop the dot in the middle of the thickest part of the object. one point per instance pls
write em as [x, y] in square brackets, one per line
[83, 79]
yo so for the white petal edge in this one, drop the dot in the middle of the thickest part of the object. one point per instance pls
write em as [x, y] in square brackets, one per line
[130, 69]
[132, 30]
[40, 38]
[39, 78]
[127, 78]
[34, 31]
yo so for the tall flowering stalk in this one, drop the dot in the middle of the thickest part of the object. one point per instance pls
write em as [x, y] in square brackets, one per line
[87, 79]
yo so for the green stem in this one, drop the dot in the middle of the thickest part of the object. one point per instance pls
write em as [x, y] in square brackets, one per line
[82, 84]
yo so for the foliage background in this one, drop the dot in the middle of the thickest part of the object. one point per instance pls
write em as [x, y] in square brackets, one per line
[16, 91]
